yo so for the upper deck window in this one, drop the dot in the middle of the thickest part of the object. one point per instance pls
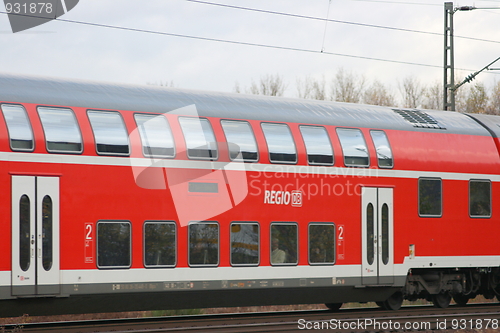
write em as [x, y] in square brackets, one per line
[354, 147]
[19, 127]
[280, 143]
[156, 136]
[62, 133]
[318, 145]
[240, 140]
[200, 138]
[110, 134]
[383, 148]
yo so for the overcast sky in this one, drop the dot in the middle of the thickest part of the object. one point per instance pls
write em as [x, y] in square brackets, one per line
[81, 51]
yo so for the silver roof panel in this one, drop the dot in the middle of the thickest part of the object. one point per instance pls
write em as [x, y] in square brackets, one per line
[72, 93]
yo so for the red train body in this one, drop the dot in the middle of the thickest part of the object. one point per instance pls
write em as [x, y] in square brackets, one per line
[133, 198]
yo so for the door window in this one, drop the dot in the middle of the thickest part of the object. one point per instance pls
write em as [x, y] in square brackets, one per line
[24, 233]
[47, 233]
[370, 232]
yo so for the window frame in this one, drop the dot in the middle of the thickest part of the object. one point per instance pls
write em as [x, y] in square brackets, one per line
[343, 151]
[271, 243]
[189, 244]
[441, 197]
[376, 152]
[45, 133]
[33, 141]
[253, 136]
[490, 197]
[267, 143]
[309, 244]
[94, 136]
[186, 142]
[329, 142]
[97, 243]
[231, 244]
[143, 147]
[144, 243]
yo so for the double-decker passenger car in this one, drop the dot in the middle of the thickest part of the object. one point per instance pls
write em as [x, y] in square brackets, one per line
[123, 197]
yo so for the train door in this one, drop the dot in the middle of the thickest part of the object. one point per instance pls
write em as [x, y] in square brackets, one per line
[35, 235]
[377, 236]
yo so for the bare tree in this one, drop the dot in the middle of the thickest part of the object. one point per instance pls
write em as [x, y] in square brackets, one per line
[347, 87]
[433, 97]
[311, 88]
[378, 94]
[494, 105]
[411, 91]
[477, 99]
[237, 88]
[304, 88]
[170, 84]
[269, 85]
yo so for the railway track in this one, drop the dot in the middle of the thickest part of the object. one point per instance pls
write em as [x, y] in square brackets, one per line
[422, 318]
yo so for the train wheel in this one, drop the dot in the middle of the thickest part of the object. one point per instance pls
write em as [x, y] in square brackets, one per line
[333, 306]
[441, 300]
[394, 302]
[380, 304]
[461, 299]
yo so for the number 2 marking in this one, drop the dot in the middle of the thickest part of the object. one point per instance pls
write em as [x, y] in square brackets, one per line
[88, 230]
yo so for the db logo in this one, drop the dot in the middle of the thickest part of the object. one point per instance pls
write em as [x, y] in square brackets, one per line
[297, 198]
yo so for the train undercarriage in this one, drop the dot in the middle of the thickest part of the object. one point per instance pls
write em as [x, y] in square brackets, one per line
[440, 286]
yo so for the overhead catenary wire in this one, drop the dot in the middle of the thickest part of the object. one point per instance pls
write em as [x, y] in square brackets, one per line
[337, 21]
[277, 47]
[326, 25]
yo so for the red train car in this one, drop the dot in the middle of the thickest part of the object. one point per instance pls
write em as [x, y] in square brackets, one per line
[123, 198]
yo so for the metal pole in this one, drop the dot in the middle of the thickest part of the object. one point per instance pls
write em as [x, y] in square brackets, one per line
[449, 62]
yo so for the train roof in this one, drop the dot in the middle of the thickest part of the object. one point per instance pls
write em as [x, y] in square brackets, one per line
[72, 93]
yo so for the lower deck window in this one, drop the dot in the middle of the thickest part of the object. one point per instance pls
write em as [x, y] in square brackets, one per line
[203, 244]
[159, 244]
[114, 244]
[284, 241]
[244, 243]
[321, 243]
